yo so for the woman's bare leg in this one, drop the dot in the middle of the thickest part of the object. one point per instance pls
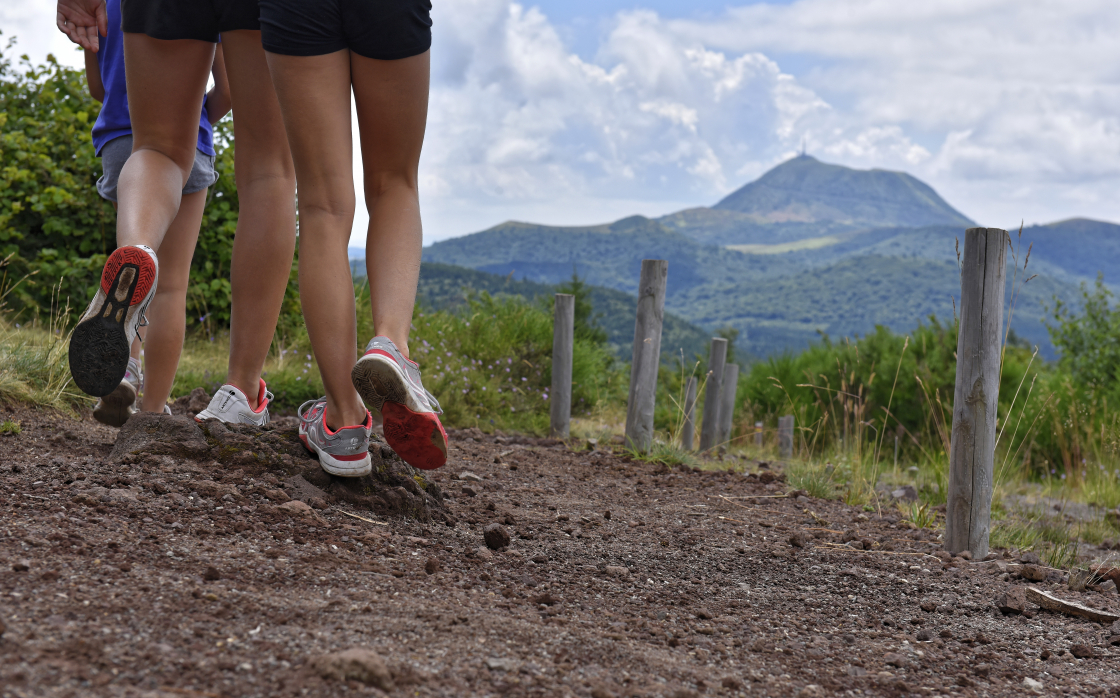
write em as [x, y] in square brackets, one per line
[314, 94]
[392, 104]
[266, 226]
[163, 344]
[166, 82]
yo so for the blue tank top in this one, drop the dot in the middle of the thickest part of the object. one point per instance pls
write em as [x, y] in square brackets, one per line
[113, 121]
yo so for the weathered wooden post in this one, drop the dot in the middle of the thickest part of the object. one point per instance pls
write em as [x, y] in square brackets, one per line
[647, 353]
[563, 340]
[758, 434]
[727, 403]
[972, 450]
[709, 429]
[785, 436]
[688, 429]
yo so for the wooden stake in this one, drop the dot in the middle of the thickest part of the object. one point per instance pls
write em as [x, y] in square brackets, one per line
[758, 434]
[709, 428]
[785, 436]
[563, 342]
[727, 403]
[647, 353]
[688, 429]
[975, 399]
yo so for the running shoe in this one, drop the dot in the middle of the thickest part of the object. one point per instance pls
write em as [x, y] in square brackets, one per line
[345, 452]
[390, 384]
[115, 408]
[230, 405]
[99, 346]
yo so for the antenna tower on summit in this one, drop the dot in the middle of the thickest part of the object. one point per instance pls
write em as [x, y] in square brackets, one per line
[803, 146]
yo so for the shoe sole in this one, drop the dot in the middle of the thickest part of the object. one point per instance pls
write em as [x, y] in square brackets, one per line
[335, 466]
[116, 407]
[417, 437]
[99, 348]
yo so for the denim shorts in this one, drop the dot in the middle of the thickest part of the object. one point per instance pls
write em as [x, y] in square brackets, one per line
[116, 151]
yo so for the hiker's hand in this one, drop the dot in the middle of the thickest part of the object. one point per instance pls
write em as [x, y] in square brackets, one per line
[83, 21]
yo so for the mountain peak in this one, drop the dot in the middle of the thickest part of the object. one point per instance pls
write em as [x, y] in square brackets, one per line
[806, 190]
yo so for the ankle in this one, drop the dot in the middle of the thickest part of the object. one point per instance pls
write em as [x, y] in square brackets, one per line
[340, 418]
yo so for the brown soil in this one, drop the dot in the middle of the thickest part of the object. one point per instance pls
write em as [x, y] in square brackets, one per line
[198, 570]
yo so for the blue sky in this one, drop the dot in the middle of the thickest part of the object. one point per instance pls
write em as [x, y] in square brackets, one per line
[583, 112]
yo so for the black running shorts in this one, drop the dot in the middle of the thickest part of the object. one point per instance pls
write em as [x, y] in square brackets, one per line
[382, 29]
[202, 20]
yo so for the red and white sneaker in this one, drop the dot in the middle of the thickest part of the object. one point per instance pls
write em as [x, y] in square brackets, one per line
[99, 346]
[344, 452]
[230, 405]
[390, 383]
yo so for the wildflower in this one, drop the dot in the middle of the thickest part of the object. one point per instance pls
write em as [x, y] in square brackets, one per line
[464, 391]
[523, 378]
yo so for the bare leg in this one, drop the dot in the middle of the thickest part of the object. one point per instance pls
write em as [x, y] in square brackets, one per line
[314, 94]
[166, 81]
[266, 226]
[392, 104]
[164, 342]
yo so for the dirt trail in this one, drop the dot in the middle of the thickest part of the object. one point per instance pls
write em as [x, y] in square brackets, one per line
[185, 575]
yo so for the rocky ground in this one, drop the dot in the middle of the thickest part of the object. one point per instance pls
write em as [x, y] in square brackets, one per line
[219, 562]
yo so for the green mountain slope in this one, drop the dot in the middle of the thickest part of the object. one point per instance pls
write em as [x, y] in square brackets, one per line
[804, 198]
[606, 255]
[443, 286]
[851, 297]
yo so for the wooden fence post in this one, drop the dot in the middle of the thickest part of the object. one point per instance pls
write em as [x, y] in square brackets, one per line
[647, 353]
[975, 399]
[688, 429]
[709, 428]
[758, 434]
[785, 436]
[563, 340]
[727, 403]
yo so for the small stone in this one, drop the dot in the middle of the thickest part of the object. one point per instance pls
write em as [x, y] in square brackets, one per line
[798, 540]
[432, 565]
[811, 691]
[704, 614]
[503, 664]
[602, 693]
[540, 558]
[279, 496]
[296, 507]
[894, 659]
[1044, 655]
[924, 635]
[857, 671]
[496, 536]
[1012, 602]
[317, 503]
[1032, 685]
[1114, 640]
[942, 555]
[1081, 651]
[964, 681]
[731, 682]
[929, 606]
[1030, 558]
[1035, 573]
[354, 665]
[607, 515]
[469, 476]
[906, 493]
[469, 491]
[946, 633]
[211, 574]
[20, 566]
[1115, 628]
[965, 554]
[484, 553]
[618, 571]
[545, 599]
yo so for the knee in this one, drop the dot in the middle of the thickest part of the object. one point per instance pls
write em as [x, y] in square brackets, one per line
[384, 182]
[182, 157]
